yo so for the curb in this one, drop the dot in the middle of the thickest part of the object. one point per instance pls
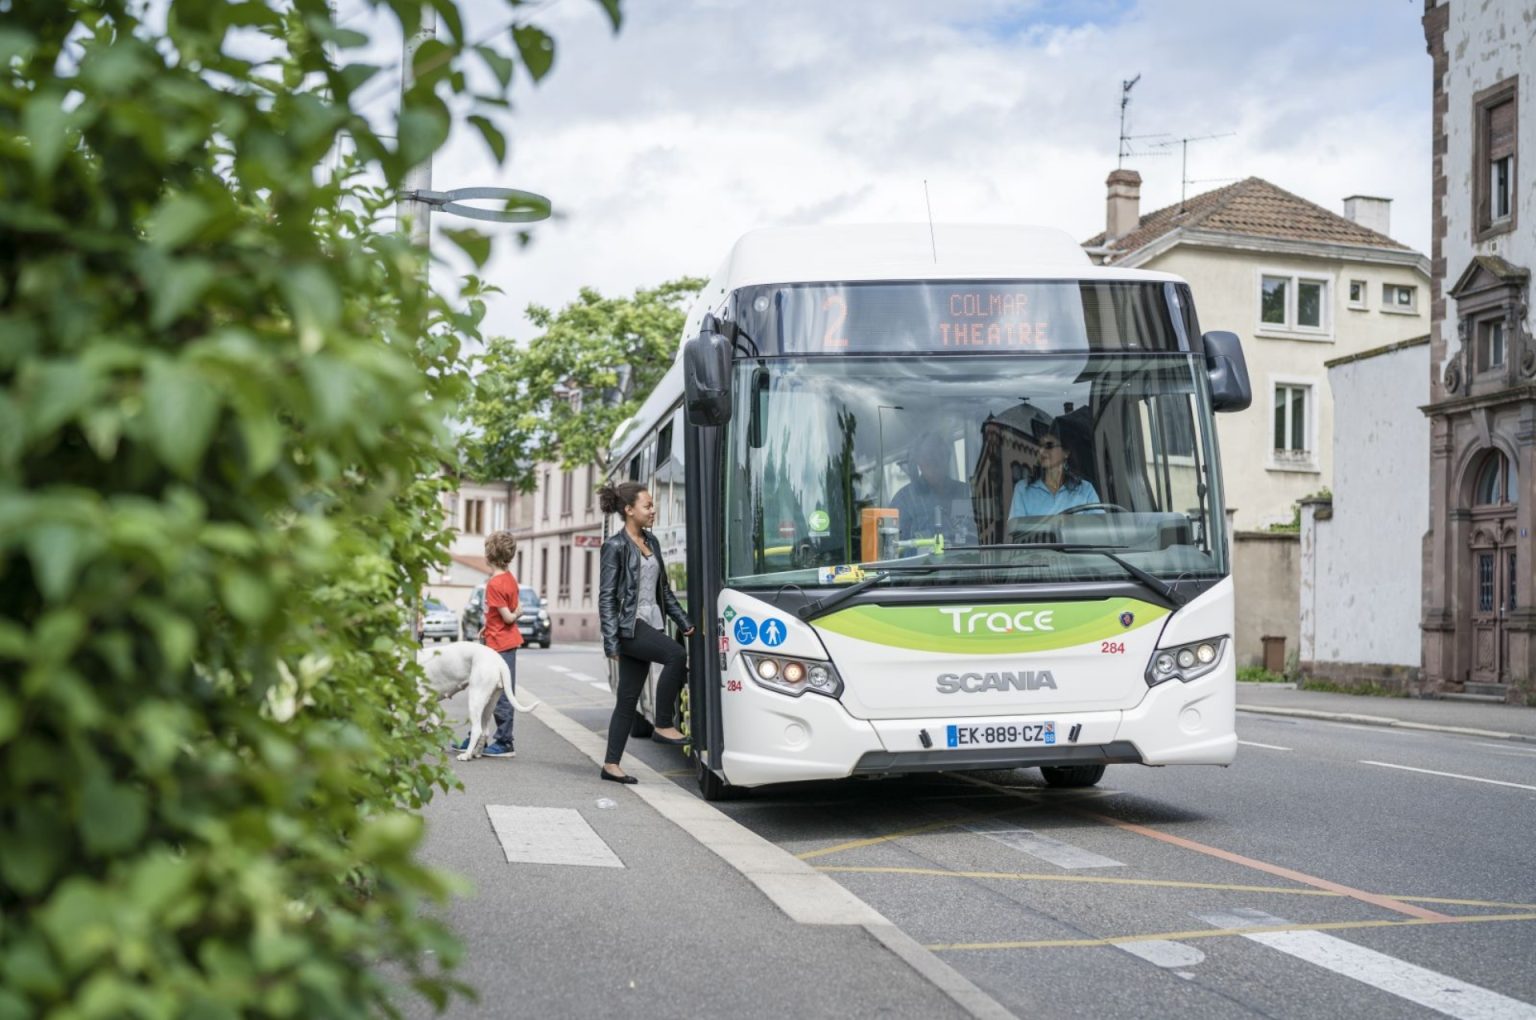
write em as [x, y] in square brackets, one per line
[800, 891]
[1383, 720]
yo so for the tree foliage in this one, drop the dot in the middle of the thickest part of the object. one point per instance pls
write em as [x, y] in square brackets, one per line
[610, 351]
[223, 391]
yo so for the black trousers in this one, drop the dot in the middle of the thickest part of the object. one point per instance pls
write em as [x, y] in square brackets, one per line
[635, 657]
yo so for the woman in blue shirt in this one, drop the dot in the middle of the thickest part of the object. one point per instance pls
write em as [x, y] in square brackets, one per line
[1053, 486]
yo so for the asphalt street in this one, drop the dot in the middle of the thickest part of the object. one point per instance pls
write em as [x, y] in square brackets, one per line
[1334, 869]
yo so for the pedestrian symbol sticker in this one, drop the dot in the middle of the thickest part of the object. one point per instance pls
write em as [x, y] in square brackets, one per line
[745, 630]
[773, 632]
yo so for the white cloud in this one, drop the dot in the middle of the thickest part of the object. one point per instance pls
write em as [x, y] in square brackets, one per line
[703, 119]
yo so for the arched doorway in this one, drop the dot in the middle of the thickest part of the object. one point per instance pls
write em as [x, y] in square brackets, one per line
[1491, 598]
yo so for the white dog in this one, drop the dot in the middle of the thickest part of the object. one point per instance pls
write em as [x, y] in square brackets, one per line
[453, 667]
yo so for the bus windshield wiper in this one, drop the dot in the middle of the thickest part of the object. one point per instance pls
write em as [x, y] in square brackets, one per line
[1148, 580]
[824, 605]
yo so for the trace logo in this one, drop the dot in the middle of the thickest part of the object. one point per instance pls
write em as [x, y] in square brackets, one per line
[968, 619]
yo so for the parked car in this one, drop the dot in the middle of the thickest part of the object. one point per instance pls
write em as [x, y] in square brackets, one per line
[438, 622]
[532, 616]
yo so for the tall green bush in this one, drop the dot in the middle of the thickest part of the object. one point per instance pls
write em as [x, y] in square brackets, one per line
[222, 401]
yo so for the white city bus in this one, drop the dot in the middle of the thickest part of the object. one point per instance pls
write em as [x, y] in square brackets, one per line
[944, 498]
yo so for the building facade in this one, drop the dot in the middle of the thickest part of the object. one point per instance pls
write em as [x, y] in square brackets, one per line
[1479, 620]
[559, 532]
[1301, 286]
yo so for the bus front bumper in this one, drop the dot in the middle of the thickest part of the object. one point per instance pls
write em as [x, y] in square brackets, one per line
[771, 738]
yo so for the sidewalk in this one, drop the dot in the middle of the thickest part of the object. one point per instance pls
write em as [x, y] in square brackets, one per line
[1504, 722]
[677, 911]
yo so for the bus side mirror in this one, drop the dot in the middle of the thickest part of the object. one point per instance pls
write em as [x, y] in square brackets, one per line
[1228, 372]
[707, 377]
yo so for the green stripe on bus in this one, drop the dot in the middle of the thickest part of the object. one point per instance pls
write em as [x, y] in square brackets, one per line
[994, 628]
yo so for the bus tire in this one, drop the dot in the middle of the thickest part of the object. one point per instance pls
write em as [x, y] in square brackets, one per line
[712, 787]
[1066, 777]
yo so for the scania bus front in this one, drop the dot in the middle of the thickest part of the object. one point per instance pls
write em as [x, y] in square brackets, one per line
[962, 523]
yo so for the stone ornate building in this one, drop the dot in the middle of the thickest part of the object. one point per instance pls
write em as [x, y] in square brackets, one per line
[1479, 619]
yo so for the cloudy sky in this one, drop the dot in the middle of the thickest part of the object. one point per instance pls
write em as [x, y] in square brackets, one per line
[702, 119]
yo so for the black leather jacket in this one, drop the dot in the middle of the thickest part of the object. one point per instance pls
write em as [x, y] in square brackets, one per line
[617, 599]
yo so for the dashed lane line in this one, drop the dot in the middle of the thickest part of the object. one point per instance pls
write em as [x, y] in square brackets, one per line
[1427, 988]
[559, 669]
[1384, 902]
[1267, 747]
[1210, 933]
[585, 678]
[1155, 883]
[1450, 775]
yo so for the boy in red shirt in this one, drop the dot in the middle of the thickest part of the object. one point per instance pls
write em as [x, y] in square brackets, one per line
[501, 633]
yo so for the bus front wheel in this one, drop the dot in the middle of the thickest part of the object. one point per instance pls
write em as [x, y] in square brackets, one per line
[711, 786]
[1071, 776]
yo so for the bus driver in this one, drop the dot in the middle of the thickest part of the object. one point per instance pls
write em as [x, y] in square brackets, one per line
[933, 502]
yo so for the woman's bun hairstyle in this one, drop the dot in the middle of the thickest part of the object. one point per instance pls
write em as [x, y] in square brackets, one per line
[613, 498]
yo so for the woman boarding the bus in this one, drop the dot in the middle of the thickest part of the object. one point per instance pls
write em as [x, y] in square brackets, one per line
[630, 602]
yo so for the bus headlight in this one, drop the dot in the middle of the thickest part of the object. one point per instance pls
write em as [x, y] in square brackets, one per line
[1185, 662]
[793, 676]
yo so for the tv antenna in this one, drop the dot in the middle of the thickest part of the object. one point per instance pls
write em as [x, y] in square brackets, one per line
[1183, 144]
[1125, 139]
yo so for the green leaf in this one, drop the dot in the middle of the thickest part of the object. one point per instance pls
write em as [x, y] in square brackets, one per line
[247, 597]
[494, 139]
[112, 815]
[473, 243]
[499, 64]
[58, 550]
[536, 48]
[314, 302]
[177, 220]
[181, 411]
[180, 286]
[46, 125]
[615, 16]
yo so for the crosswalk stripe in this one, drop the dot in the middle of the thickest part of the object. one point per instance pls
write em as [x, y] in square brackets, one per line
[1405, 980]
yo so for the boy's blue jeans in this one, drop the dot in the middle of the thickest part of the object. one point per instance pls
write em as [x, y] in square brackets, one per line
[504, 713]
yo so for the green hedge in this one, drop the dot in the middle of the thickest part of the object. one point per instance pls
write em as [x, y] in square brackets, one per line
[222, 401]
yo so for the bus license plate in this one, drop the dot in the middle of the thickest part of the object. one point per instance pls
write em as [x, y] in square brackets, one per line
[1001, 734]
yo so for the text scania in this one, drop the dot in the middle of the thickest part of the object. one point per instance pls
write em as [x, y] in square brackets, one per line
[975, 683]
[967, 619]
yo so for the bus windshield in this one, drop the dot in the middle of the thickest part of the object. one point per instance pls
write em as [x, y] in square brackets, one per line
[950, 470]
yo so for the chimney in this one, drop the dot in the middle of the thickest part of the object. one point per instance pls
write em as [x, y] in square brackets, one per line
[1371, 213]
[1124, 205]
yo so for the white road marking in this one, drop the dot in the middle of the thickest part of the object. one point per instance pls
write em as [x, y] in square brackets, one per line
[539, 835]
[1052, 851]
[1506, 748]
[1270, 747]
[599, 684]
[560, 669]
[1405, 980]
[583, 677]
[1450, 775]
[1164, 953]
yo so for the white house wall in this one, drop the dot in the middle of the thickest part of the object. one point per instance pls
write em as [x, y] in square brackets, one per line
[1360, 570]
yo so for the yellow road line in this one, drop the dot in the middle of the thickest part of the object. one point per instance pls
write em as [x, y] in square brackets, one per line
[1317, 882]
[1156, 883]
[1207, 933]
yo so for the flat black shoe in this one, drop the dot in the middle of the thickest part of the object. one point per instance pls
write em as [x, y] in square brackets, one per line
[628, 780]
[675, 742]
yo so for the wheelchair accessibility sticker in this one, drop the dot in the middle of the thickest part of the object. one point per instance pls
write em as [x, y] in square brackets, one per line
[745, 629]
